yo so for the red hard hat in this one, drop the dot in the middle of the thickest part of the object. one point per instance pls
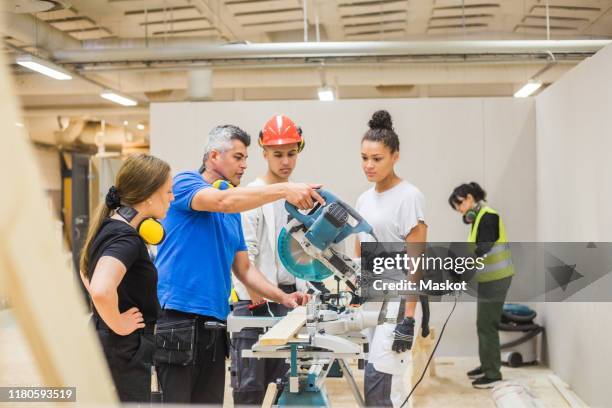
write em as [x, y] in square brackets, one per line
[280, 130]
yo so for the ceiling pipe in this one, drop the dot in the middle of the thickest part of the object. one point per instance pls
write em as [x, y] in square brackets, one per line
[327, 50]
[105, 43]
[32, 31]
[256, 65]
[137, 111]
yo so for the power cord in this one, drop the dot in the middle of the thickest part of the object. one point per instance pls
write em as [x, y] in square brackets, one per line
[457, 294]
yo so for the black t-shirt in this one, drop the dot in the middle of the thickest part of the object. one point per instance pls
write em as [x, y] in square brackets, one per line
[138, 288]
[488, 233]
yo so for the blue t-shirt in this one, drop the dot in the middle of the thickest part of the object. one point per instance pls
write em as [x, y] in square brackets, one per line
[195, 259]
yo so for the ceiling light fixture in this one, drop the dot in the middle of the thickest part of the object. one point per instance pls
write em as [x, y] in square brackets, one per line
[527, 89]
[326, 93]
[43, 67]
[120, 99]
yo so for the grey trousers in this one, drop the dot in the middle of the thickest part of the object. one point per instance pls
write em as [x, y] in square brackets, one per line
[377, 387]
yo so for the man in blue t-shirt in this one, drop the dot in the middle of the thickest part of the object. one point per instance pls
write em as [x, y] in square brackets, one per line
[204, 243]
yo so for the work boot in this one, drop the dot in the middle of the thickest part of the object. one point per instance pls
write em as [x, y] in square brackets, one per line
[484, 382]
[475, 373]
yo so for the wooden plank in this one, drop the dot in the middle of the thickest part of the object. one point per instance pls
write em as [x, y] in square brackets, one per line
[284, 330]
[568, 394]
[33, 273]
[270, 396]
[421, 351]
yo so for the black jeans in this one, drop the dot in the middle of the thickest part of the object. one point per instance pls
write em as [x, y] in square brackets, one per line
[129, 360]
[203, 381]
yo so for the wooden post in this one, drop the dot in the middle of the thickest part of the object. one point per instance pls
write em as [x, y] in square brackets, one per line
[34, 275]
[421, 351]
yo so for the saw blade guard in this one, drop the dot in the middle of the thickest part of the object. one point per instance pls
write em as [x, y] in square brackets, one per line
[322, 227]
[299, 263]
[329, 224]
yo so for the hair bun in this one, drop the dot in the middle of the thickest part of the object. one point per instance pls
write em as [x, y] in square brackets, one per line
[381, 120]
[478, 192]
[113, 200]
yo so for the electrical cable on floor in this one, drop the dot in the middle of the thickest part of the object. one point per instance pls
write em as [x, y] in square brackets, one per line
[433, 351]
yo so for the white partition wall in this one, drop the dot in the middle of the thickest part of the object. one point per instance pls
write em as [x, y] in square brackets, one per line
[444, 142]
[574, 162]
[550, 179]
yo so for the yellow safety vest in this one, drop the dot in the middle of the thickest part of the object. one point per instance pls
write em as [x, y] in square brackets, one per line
[498, 261]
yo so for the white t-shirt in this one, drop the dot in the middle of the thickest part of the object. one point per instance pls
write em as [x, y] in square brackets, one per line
[280, 220]
[392, 215]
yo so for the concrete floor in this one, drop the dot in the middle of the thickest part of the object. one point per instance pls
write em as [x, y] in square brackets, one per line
[450, 388]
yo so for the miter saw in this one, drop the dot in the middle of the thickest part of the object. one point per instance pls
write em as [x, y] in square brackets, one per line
[331, 328]
[309, 248]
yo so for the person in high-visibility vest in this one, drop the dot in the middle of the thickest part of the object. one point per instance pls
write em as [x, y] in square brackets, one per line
[488, 234]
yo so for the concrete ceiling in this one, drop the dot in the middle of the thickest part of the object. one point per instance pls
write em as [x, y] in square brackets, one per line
[92, 23]
[340, 20]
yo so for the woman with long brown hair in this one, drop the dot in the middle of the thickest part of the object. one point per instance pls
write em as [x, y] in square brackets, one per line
[119, 274]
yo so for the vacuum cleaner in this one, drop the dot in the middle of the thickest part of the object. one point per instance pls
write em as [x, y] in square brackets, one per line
[518, 335]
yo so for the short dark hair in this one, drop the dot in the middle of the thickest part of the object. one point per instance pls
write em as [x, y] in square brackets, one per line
[238, 134]
[461, 192]
[381, 130]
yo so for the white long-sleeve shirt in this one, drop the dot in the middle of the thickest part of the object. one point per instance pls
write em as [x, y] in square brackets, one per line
[261, 227]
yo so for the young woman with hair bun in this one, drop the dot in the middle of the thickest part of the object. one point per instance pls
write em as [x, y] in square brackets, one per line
[395, 209]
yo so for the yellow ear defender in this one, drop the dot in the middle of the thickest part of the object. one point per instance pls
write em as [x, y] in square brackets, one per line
[222, 184]
[149, 229]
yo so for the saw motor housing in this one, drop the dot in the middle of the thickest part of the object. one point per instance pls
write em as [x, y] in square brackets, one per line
[306, 246]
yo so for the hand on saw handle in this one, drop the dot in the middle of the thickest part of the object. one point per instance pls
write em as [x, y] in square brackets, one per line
[303, 195]
[403, 335]
[295, 299]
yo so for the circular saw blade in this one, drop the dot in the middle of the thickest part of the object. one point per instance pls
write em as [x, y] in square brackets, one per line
[297, 261]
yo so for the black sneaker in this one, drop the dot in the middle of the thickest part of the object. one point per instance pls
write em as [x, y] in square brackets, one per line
[484, 382]
[475, 373]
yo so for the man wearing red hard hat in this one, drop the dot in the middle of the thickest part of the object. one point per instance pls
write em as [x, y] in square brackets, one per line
[281, 141]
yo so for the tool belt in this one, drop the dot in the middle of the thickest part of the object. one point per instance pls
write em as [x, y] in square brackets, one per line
[175, 342]
[177, 339]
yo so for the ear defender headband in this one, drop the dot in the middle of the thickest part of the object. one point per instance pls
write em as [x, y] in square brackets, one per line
[150, 230]
[470, 215]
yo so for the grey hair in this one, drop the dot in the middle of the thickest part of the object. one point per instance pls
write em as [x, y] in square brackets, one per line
[220, 139]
